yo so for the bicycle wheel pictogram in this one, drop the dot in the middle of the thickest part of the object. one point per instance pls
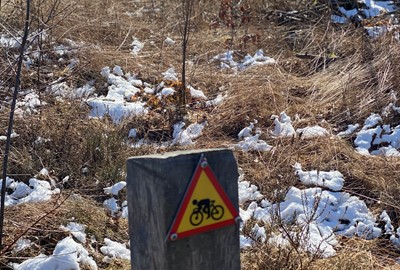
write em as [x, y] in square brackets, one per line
[205, 207]
[196, 218]
[217, 212]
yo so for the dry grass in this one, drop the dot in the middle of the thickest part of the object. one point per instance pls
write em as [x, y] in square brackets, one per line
[357, 254]
[360, 254]
[41, 223]
[329, 93]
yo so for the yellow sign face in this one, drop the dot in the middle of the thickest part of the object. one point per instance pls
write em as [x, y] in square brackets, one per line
[205, 206]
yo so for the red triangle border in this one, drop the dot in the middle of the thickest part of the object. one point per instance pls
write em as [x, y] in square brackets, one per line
[188, 194]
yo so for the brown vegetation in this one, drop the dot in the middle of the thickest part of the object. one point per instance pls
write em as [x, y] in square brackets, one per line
[344, 77]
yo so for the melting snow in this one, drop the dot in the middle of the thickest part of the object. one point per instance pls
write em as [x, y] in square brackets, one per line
[115, 189]
[332, 180]
[117, 110]
[67, 255]
[248, 192]
[350, 130]
[124, 213]
[77, 230]
[247, 131]
[167, 91]
[185, 136]
[216, 101]
[372, 8]
[112, 205]
[319, 214]
[196, 93]
[170, 75]
[115, 103]
[29, 103]
[374, 138]
[22, 244]
[367, 9]
[227, 62]
[169, 41]
[245, 242]
[132, 133]
[115, 250]
[377, 31]
[259, 233]
[388, 229]
[251, 142]
[312, 132]
[9, 42]
[137, 46]
[62, 90]
[37, 191]
[283, 126]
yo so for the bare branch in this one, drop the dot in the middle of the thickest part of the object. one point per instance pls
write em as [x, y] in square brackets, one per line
[11, 118]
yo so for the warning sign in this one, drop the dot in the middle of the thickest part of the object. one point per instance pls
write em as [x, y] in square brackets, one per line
[205, 206]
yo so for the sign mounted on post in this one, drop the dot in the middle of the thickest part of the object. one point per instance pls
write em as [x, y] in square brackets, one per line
[205, 206]
[158, 185]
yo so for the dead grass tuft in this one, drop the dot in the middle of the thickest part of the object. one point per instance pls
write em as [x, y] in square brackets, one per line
[40, 223]
[359, 254]
[251, 95]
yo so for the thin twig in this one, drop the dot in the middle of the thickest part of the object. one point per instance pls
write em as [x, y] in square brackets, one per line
[126, 37]
[35, 223]
[11, 119]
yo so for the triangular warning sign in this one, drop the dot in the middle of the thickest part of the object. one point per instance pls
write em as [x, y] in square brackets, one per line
[205, 206]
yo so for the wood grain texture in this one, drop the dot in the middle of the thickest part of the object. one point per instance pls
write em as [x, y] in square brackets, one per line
[156, 185]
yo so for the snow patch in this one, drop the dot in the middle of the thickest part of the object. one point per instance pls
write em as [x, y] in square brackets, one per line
[186, 136]
[112, 205]
[312, 132]
[115, 189]
[170, 75]
[318, 215]
[9, 42]
[117, 110]
[332, 180]
[137, 46]
[77, 230]
[169, 41]
[115, 250]
[216, 101]
[283, 126]
[227, 62]
[36, 191]
[251, 142]
[67, 255]
[350, 130]
[196, 93]
[248, 192]
[22, 244]
[375, 138]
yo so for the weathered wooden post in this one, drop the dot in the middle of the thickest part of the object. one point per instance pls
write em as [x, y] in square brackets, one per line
[183, 211]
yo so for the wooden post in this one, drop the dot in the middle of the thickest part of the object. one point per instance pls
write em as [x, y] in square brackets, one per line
[156, 186]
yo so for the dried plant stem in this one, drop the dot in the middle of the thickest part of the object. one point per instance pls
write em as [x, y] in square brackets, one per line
[11, 118]
[58, 205]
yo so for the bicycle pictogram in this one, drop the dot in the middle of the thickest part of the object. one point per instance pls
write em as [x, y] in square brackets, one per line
[205, 207]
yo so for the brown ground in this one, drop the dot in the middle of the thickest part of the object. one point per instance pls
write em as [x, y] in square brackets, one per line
[329, 93]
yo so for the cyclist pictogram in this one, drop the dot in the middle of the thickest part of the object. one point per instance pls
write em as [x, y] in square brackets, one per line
[205, 207]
